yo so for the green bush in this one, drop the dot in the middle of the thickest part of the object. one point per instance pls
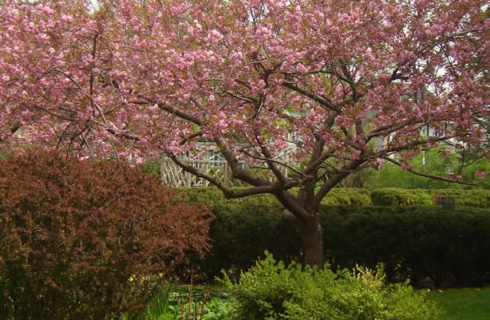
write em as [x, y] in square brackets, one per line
[242, 231]
[464, 198]
[271, 291]
[79, 239]
[336, 197]
[426, 197]
[400, 197]
[451, 247]
[354, 197]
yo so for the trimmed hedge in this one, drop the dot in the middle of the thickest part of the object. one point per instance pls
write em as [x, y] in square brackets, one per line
[357, 197]
[242, 231]
[416, 242]
[426, 197]
[465, 198]
[400, 197]
[429, 245]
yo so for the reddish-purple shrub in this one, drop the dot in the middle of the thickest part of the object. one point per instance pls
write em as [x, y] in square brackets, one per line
[78, 238]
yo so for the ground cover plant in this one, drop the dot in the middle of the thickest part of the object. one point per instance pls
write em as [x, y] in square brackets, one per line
[187, 303]
[87, 240]
[290, 93]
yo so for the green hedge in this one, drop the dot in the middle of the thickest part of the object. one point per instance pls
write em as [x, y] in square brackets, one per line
[450, 247]
[465, 198]
[242, 231]
[337, 197]
[426, 197]
[357, 197]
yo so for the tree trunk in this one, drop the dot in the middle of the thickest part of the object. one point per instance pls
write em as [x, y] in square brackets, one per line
[311, 233]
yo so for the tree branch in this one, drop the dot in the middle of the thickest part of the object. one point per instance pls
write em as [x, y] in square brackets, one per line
[236, 170]
[228, 192]
[418, 173]
[271, 164]
[170, 109]
[272, 160]
[333, 181]
[324, 102]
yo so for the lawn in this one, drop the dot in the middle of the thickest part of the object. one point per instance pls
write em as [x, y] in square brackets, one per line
[463, 304]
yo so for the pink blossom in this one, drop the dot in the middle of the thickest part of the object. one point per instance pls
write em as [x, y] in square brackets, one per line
[343, 76]
[480, 173]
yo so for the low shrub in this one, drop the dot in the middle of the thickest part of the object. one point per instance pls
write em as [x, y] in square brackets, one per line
[81, 240]
[354, 197]
[397, 197]
[464, 198]
[448, 248]
[400, 197]
[336, 197]
[270, 290]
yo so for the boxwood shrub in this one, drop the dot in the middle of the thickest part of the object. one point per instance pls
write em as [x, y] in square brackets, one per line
[446, 247]
[464, 198]
[357, 197]
[397, 197]
[449, 247]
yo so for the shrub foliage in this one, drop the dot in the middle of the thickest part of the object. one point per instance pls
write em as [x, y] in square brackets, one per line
[271, 290]
[356, 197]
[452, 247]
[80, 240]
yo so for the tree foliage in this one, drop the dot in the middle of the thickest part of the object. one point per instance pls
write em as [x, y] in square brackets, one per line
[343, 84]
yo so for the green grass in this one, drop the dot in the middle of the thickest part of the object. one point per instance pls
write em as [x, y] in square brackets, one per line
[463, 304]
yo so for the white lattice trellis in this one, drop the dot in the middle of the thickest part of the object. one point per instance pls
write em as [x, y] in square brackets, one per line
[210, 161]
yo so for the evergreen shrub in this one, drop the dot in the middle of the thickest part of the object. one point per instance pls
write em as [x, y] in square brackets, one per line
[85, 240]
[397, 197]
[270, 290]
[355, 197]
[400, 197]
[451, 247]
[464, 198]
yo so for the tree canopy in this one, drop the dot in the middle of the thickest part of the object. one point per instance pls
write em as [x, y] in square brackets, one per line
[344, 84]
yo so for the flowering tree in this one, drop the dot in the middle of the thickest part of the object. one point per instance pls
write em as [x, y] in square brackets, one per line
[346, 83]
